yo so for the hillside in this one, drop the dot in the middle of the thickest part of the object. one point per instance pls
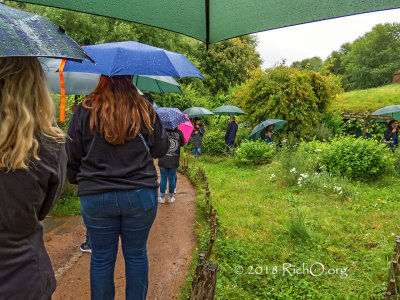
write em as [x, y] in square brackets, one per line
[368, 100]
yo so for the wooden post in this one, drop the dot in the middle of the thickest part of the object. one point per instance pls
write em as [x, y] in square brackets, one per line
[204, 282]
[391, 286]
[365, 117]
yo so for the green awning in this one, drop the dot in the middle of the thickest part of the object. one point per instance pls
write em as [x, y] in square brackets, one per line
[214, 20]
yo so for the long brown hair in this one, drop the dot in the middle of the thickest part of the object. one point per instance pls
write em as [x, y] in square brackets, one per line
[117, 109]
[26, 112]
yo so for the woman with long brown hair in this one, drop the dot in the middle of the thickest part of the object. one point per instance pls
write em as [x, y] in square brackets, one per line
[32, 172]
[113, 137]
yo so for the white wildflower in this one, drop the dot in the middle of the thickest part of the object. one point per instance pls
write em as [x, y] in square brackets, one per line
[284, 141]
[293, 170]
[325, 186]
[317, 150]
[305, 175]
[272, 176]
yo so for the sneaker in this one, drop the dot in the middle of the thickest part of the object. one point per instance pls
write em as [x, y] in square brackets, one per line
[161, 199]
[85, 247]
[175, 191]
[171, 200]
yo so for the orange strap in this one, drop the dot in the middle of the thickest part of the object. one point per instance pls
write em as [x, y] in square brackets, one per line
[62, 104]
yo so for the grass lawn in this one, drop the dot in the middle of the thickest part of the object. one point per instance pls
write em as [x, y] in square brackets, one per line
[368, 100]
[264, 224]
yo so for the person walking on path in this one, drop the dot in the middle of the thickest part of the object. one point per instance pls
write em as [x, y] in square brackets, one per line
[197, 137]
[169, 164]
[230, 134]
[32, 173]
[391, 134]
[113, 137]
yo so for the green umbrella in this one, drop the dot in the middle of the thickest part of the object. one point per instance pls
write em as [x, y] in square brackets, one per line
[228, 110]
[77, 83]
[26, 34]
[260, 130]
[215, 20]
[157, 84]
[391, 110]
[197, 112]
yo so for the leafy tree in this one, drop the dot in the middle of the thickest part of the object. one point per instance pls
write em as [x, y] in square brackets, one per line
[373, 58]
[228, 62]
[301, 97]
[315, 64]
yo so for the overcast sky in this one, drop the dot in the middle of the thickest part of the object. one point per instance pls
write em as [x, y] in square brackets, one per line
[317, 39]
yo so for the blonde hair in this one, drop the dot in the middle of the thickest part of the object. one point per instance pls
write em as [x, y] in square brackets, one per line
[26, 112]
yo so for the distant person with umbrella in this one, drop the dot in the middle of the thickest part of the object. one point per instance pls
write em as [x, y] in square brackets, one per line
[391, 134]
[197, 137]
[230, 134]
[114, 136]
[269, 135]
[172, 119]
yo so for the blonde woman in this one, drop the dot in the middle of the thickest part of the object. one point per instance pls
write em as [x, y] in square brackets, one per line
[32, 167]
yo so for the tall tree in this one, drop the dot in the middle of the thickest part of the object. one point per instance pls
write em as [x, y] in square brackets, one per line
[373, 58]
[228, 63]
[314, 64]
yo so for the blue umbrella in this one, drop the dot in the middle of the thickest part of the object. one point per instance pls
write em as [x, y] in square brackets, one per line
[26, 34]
[171, 117]
[134, 58]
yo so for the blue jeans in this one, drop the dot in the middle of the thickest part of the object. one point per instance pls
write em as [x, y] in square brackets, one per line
[170, 176]
[198, 151]
[108, 216]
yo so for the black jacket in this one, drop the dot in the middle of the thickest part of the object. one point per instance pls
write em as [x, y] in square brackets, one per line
[26, 197]
[197, 139]
[171, 159]
[230, 134]
[388, 134]
[99, 167]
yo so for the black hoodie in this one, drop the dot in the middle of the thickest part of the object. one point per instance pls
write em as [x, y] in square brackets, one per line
[99, 167]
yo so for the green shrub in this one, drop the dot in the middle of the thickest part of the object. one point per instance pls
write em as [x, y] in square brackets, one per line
[321, 133]
[301, 97]
[254, 153]
[357, 159]
[214, 143]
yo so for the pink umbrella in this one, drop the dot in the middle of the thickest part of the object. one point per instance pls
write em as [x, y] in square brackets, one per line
[186, 129]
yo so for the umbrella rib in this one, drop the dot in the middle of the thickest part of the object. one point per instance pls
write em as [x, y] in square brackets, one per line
[207, 3]
[161, 90]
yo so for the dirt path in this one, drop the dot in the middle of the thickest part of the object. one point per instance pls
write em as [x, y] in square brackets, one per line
[171, 243]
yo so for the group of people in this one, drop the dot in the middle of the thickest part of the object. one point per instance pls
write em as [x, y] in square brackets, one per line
[112, 140]
[198, 133]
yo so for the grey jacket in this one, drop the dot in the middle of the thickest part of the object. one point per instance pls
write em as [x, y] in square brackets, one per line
[26, 197]
[197, 139]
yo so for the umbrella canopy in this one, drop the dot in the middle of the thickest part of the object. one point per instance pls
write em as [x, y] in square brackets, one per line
[77, 83]
[197, 112]
[187, 129]
[391, 110]
[171, 117]
[134, 58]
[157, 84]
[217, 20]
[228, 110]
[260, 130]
[26, 34]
